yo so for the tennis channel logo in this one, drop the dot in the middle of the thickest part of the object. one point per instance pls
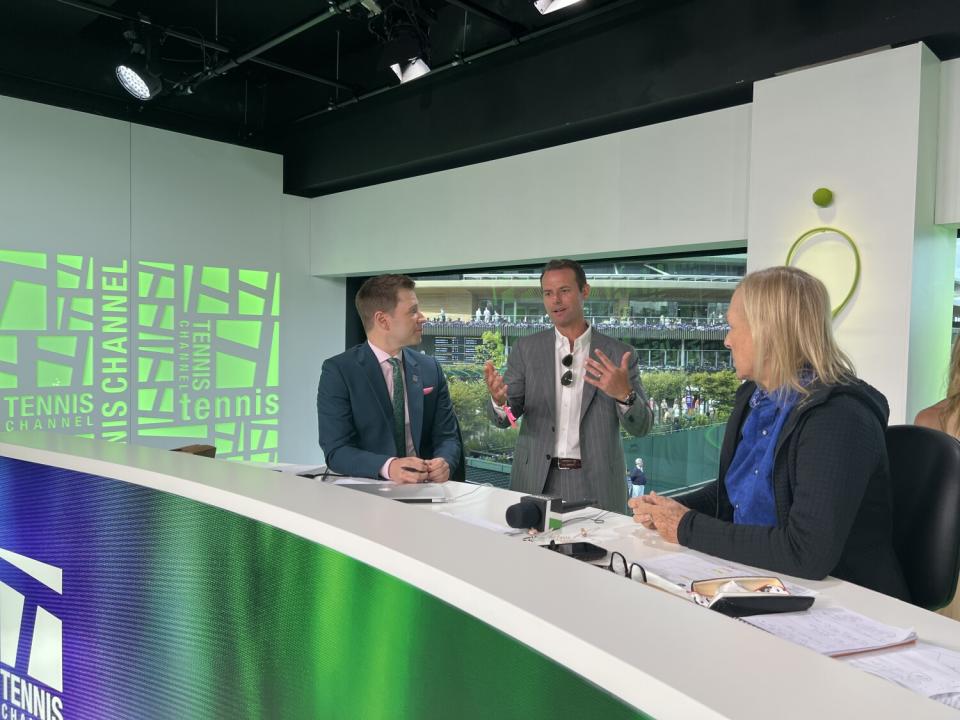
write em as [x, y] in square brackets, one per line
[20, 698]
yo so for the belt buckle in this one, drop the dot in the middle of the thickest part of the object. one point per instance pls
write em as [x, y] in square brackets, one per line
[566, 464]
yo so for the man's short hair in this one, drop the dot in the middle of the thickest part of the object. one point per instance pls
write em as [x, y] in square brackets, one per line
[566, 264]
[379, 294]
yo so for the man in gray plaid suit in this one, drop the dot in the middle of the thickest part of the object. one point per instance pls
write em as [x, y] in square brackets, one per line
[574, 389]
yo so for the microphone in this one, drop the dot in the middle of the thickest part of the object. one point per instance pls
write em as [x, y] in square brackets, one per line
[542, 512]
[566, 507]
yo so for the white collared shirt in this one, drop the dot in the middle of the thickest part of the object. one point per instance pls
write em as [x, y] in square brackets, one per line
[569, 399]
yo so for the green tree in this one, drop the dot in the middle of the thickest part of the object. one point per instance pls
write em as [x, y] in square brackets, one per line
[463, 371]
[468, 397]
[492, 348]
[480, 437]
[720, 388]
[665, 385]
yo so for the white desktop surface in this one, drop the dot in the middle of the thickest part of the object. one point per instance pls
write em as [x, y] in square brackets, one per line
[664, 655]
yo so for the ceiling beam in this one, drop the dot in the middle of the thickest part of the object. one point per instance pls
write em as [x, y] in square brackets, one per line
[200, 42]
[511, 27]
[252, 54]
[460, 61]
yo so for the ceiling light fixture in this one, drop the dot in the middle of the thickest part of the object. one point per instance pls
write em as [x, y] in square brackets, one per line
[372, 7]
[548, 6]
[138, 81]
[404, 29]
[134, 73]
[410, 70]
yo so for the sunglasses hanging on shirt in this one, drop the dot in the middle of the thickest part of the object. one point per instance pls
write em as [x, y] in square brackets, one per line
[567, 377]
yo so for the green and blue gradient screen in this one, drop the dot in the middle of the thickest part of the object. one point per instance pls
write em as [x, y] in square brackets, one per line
[169, 608]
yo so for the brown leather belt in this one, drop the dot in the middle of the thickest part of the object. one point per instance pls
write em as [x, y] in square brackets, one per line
[566, 463]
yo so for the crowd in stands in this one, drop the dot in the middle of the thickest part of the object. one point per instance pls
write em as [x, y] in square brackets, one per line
[675, 412]
[488, 320]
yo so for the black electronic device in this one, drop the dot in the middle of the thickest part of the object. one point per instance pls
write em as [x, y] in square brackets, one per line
[542, 512]
[585, 551]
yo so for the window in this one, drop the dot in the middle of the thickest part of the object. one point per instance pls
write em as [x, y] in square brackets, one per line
[671, 310]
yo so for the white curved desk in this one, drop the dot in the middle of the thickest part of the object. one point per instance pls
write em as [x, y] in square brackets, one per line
[666, 657]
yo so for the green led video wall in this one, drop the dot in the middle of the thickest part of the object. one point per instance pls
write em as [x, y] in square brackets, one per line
[160, 353]
[120, 601]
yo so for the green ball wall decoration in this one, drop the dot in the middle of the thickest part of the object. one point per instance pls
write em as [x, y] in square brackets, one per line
[823, 197]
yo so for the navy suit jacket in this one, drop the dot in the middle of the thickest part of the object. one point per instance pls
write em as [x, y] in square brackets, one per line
[355, 413]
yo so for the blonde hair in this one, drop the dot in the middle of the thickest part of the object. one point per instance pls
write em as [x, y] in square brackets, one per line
[950, 415]
[788, 311]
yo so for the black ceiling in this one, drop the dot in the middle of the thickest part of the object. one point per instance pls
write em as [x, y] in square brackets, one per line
[506, 79]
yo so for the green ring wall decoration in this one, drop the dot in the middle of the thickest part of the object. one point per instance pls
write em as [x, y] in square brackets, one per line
[856, 255]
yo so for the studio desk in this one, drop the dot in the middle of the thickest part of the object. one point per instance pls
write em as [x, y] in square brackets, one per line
[139, 583]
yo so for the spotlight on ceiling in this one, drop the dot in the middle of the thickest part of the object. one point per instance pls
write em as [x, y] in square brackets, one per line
[372, 7]
[137, 80]
[134, 72]
[410, 70]
[406, 44]
[549, 6]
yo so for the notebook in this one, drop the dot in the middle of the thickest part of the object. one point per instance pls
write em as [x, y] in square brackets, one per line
[408, 493]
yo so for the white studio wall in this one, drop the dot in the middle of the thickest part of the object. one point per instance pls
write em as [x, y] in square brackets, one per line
[174, 305]
[677, 185]
[866, 128]
[948, 175]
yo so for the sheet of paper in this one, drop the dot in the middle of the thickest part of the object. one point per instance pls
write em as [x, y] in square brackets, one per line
[480, 522]
[949, 699]
[924, 668]
[304, 470]
[832, 630]
[685, 568]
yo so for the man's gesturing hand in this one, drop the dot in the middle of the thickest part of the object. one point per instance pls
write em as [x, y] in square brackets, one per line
[612, 379]
[495, 384]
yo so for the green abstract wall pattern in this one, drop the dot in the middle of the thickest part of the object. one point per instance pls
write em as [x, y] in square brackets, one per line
[124, 350]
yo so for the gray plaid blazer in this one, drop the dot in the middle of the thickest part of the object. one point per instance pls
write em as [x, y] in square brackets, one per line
[531, 379]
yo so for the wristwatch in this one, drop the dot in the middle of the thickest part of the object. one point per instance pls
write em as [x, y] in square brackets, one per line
[629, 399]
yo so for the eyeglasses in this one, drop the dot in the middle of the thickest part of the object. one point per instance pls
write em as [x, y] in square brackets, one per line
[567, 377]
[619, 566]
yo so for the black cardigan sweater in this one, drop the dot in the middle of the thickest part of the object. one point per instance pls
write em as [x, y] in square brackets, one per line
[831, 484]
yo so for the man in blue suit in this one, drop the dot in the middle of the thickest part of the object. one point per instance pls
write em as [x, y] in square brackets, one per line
[384, 411]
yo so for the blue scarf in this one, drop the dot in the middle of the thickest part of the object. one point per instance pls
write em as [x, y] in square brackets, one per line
[749, 479]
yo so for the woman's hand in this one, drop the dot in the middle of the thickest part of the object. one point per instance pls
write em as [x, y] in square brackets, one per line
[658, 513]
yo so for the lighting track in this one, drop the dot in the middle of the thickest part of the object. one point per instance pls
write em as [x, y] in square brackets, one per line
[249, 56]
[460, 60]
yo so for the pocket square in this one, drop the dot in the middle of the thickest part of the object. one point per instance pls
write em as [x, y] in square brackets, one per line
[428, 390]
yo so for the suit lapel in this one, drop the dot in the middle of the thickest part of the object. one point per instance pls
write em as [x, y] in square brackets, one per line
[589, 391]
[411, 369]
[548, 359]
[371, 369]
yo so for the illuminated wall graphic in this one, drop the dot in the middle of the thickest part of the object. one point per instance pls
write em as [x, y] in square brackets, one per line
[164, 353]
